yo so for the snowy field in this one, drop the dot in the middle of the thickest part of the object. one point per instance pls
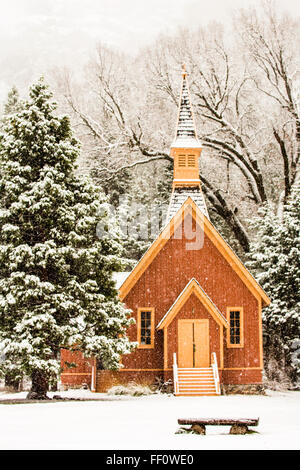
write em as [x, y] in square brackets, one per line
[148, 422]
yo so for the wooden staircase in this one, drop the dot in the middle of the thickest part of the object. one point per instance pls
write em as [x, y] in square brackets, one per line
[196, 381]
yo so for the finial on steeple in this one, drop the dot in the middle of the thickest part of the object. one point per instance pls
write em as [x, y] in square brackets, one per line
[184, 72]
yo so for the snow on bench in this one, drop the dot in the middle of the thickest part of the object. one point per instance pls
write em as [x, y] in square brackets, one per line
[238, 425]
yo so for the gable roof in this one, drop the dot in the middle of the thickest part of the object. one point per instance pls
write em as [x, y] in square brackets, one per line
[191, 207]
[193, 287]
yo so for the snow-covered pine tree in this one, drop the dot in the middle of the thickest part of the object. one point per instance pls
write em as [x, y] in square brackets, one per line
[12, 105]
[275, 260]
[56, 286]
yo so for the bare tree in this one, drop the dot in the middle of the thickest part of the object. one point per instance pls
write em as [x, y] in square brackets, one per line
[225, 114]
[272, 42]
[244, 101]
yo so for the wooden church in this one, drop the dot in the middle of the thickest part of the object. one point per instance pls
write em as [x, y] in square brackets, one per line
[198, 310]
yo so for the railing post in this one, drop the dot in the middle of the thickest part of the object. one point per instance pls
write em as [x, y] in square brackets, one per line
[215, 373]
[175, 373]
[93, 378]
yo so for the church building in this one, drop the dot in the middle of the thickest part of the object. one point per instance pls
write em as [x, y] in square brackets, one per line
[198, 310]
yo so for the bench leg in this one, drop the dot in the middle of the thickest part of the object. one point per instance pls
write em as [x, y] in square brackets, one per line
[198, 429]
[238, 429]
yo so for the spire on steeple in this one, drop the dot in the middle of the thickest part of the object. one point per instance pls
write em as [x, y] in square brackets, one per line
[185, 125]
[186, 135]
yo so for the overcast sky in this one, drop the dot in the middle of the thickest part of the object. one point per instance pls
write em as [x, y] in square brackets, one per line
[36, 35]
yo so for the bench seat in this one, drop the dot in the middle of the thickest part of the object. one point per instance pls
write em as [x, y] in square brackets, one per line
[220, 421]
[238, 425]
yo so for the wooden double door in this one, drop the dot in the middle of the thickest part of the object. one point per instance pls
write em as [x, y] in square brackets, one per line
[193, 343]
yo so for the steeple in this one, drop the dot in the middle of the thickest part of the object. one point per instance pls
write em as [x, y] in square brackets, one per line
[185, 150]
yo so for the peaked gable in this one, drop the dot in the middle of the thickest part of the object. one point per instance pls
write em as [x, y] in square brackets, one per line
[189, 207]
[193, 287]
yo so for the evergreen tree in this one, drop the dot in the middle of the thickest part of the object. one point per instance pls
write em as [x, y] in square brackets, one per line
[56, 286]
[13, 103]
[275, 259]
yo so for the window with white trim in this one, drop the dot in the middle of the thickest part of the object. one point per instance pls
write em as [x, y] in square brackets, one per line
[145, 327]
[235, 332]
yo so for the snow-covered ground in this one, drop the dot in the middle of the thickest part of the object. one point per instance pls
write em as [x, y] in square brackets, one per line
[148, 422]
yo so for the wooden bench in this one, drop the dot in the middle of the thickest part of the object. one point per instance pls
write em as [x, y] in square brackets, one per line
[238, 425]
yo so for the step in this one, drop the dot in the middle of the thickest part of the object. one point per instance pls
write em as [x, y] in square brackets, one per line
[204, 391]
[184, 372]
[206, 372]
[190, 387]
[209, 385]
[195, 372]
[196, 392]
[199, 379]
[200, 372]
[195, 376]
[197, 384]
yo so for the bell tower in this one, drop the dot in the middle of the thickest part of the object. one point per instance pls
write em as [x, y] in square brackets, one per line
[186, 148]
[185, 151]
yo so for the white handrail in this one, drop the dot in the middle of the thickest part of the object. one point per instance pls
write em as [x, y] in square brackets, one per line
[214, 364]
[93, 378]
[175, 374]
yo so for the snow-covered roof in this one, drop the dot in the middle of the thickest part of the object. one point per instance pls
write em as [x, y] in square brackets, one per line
[186, 143]
[180, 195]
[185, 125]
[119, 278]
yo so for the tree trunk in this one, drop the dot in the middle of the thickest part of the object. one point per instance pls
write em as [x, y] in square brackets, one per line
[39, 386]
